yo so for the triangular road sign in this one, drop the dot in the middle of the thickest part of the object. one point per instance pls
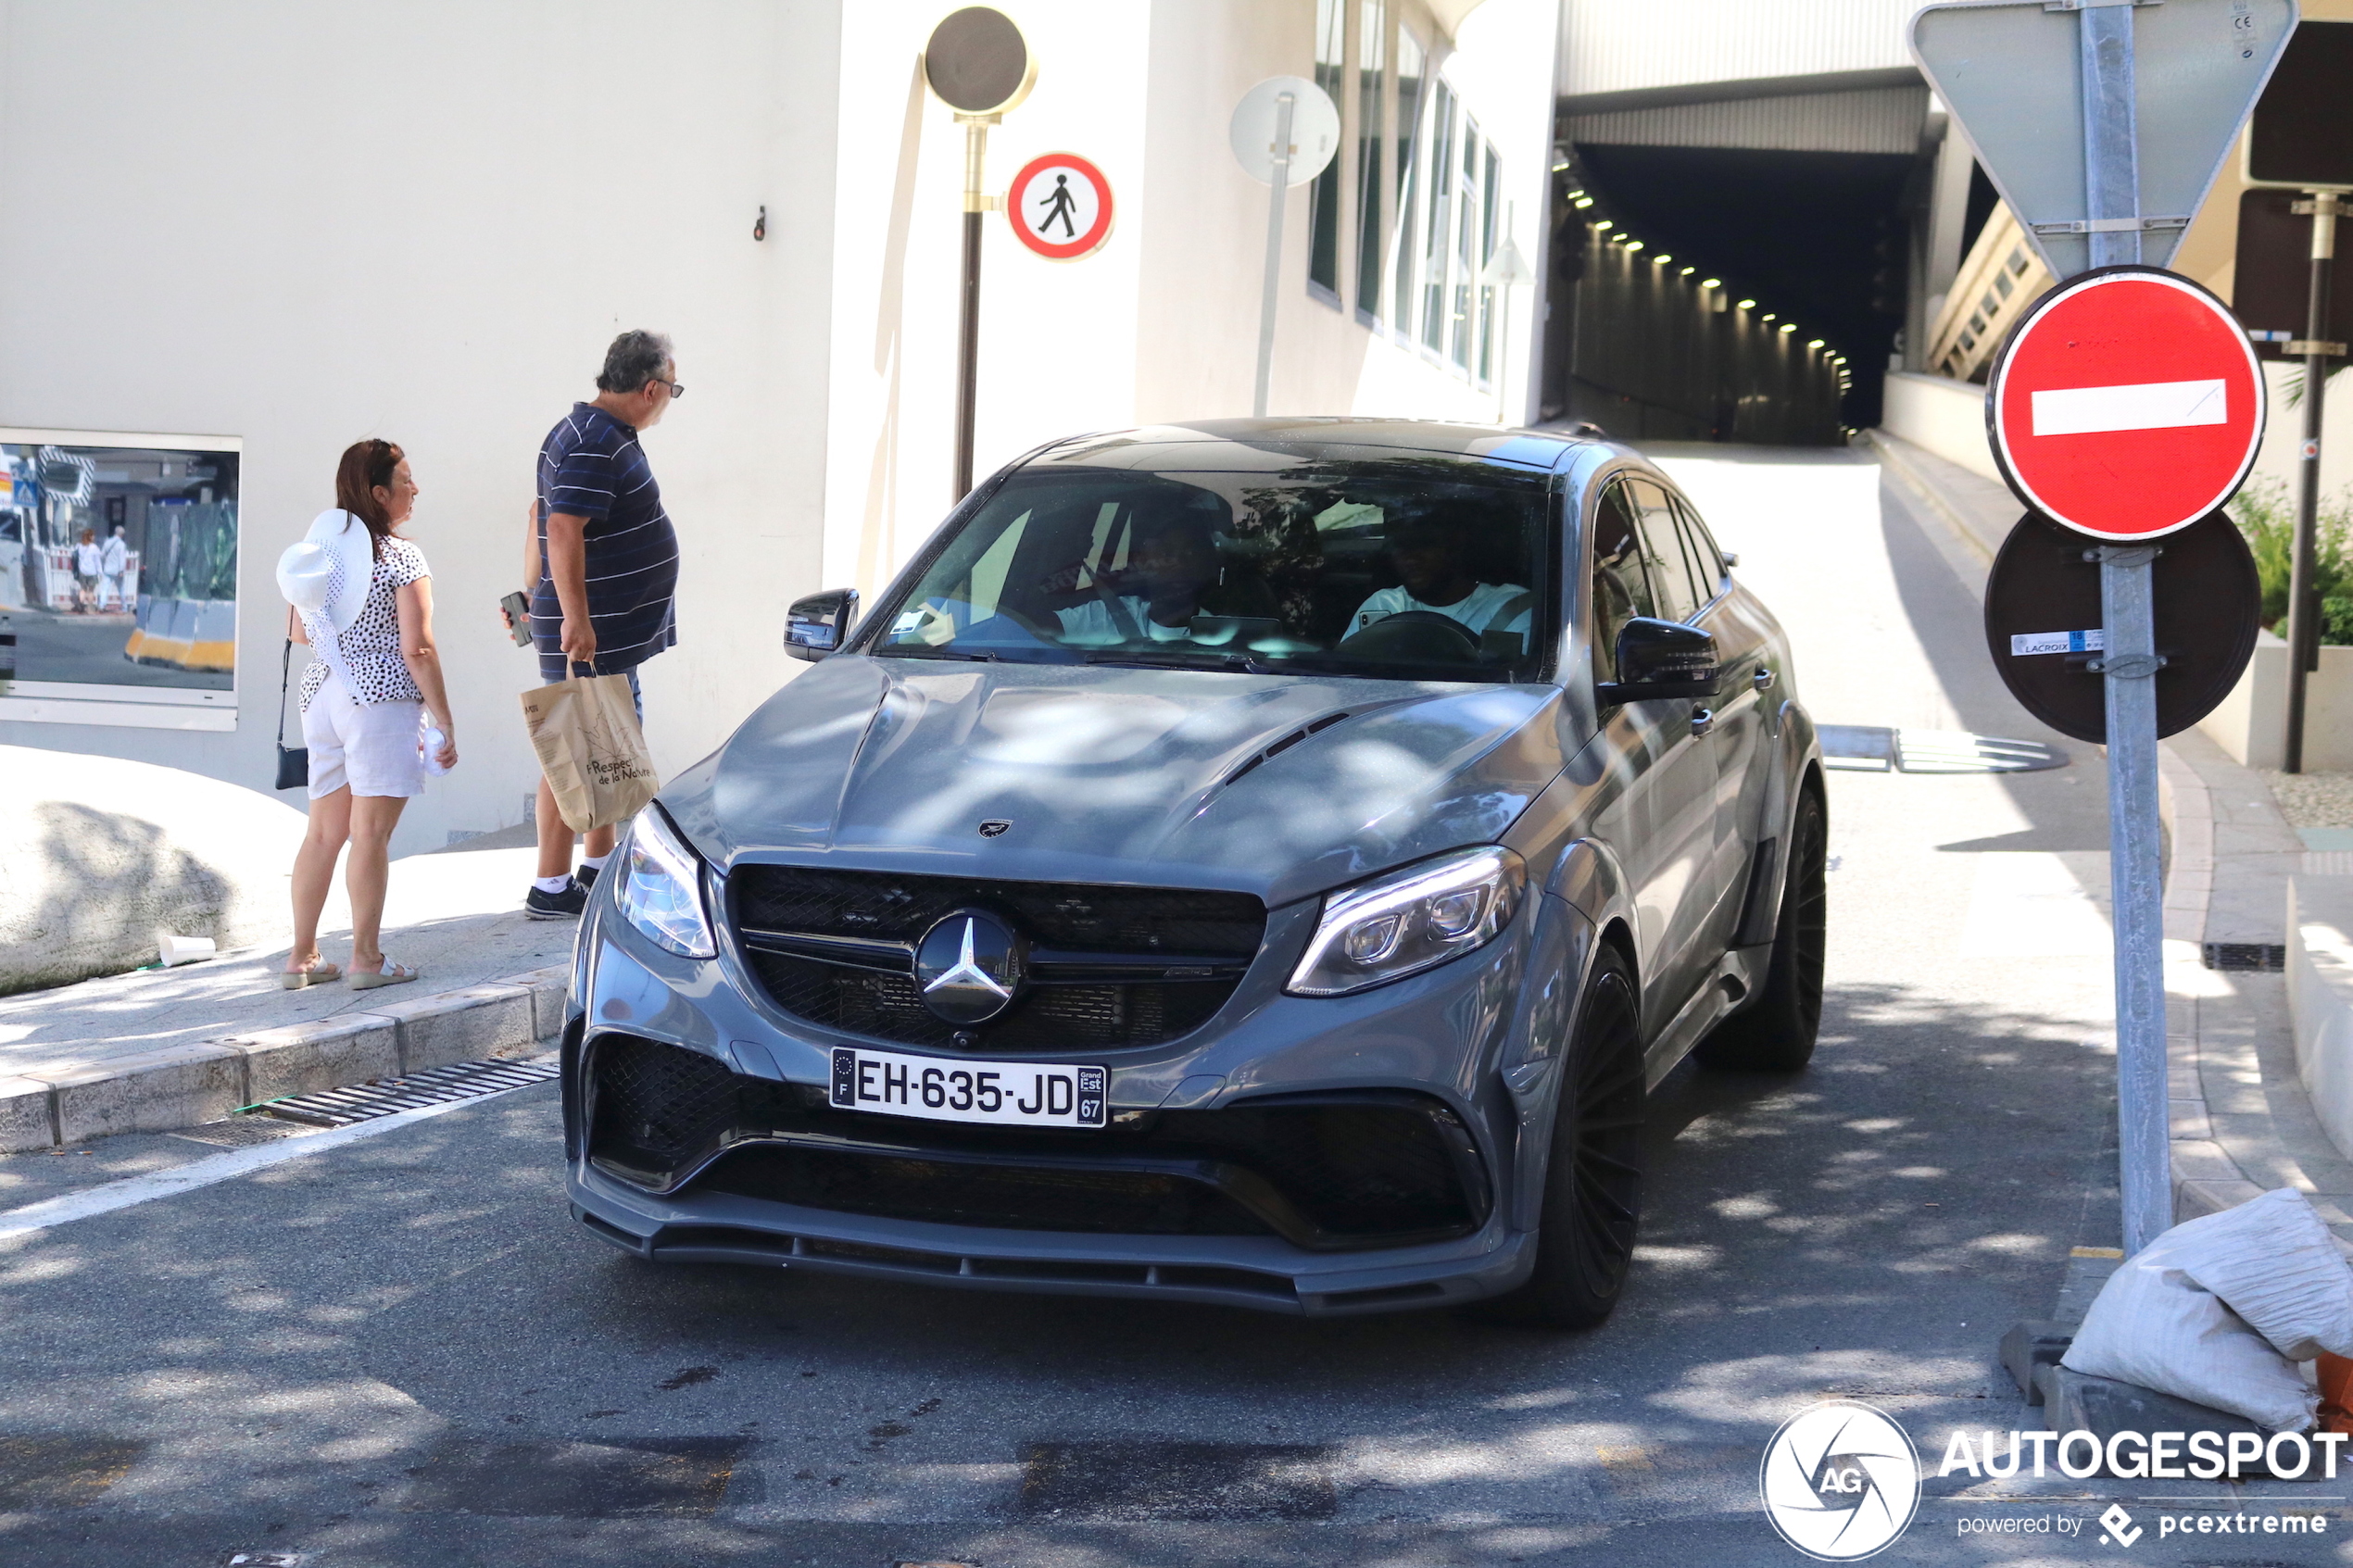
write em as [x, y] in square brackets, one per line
[2012, 73]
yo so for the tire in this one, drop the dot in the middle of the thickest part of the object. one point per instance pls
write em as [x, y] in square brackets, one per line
[1776, 1032]
[1593, 1179]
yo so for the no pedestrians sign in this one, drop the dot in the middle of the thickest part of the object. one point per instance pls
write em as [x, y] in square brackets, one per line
[1061, 206]
[2126, 405]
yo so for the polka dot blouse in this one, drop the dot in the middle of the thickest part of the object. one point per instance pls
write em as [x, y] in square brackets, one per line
[371, 644]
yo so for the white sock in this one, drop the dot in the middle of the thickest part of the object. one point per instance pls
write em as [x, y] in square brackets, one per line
[552, 883]
[595, 862]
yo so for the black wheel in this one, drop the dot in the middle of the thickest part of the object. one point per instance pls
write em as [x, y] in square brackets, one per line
[1776, 1033]
[1594, 1182]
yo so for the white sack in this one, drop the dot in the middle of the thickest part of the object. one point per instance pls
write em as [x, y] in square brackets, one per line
[2272, 1263]
[2154, 1325]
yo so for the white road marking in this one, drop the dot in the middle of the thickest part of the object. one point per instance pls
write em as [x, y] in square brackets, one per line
[2158, 405]
[69, 1206]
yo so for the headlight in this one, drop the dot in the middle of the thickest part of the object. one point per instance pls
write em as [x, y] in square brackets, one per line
[1409, 920]
[661, 888]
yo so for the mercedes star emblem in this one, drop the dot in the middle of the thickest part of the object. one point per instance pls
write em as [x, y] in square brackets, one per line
[969, 967]
[994, 827]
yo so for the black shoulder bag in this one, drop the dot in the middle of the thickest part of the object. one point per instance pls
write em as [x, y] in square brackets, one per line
[294, 761]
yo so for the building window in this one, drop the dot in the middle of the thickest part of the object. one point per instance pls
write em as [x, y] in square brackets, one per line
[1322, 208]
[1410, 176]
[1371, 90]
[1444, 129]
[1490, 214]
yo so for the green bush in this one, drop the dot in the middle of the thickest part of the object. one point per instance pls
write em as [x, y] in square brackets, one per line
[2266, 514]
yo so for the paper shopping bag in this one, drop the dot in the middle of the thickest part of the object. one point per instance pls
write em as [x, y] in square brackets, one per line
[591, 748]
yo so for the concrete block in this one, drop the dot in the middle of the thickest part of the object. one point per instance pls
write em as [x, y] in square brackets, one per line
[2030, 1346]
[25, 1120]
[472, 1024]
[327, 1053]
[151, 1092]
[2320, 991]
[548, 987]
[2074, 1402]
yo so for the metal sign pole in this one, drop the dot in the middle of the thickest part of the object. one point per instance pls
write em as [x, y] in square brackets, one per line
[1283, 106]
[2129, 665]
[968, 325]
[2303, 629]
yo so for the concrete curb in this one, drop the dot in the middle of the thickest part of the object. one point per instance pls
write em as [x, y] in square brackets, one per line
[182, 1085]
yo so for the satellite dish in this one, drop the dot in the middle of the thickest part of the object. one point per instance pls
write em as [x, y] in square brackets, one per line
[978, 63]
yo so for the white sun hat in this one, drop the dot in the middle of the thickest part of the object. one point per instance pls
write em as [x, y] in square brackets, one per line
[325, 576]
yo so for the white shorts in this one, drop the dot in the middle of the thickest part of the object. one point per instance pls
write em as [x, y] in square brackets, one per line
[369, 746]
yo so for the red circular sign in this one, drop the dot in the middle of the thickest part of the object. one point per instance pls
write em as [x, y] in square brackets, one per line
[2126, 405]
[1060, 206]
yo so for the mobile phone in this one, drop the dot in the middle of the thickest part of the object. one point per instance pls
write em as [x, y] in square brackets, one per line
[518, 611]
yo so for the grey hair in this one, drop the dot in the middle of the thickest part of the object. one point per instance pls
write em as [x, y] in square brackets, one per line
[633, 359]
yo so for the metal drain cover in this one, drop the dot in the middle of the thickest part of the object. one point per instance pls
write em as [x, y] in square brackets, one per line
[434, 1085]
[1875, 748]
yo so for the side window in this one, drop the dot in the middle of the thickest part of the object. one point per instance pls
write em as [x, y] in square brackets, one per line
[1621, 588]
[1699, 545]
[1662, 552]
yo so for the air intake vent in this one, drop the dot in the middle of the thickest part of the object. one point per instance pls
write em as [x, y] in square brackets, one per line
[1326, 723]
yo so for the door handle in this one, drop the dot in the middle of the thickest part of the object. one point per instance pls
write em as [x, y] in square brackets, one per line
[1703, 720]
[1765, 679]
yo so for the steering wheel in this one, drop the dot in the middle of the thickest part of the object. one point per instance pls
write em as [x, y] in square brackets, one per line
[1414, 635]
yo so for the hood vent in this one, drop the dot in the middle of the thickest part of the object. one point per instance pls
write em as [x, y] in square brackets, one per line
[1326, 723]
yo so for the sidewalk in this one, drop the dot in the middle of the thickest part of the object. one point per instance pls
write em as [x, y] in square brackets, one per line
[2242, 1122]
[159, 1050]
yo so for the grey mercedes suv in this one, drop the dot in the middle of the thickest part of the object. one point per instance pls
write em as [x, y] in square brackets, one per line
[1254, 862]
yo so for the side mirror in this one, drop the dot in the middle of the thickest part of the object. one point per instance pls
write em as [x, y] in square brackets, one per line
[819, 624]
[1660, 658]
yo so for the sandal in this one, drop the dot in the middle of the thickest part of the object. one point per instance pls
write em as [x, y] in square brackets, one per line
[317, 974]
[391, 974]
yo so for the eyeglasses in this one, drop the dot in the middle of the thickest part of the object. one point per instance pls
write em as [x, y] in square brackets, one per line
[677, 389]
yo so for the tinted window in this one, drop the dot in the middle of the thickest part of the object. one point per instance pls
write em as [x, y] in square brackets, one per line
[1412, 568]
[1621, 588]
[1662, 552]
[1699, 547]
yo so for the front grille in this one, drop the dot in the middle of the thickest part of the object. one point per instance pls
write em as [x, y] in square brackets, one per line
[1143, 922]
[1354, 1169]
[965, 1193]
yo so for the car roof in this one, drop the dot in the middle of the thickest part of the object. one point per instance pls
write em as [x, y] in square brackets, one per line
[1273, 444]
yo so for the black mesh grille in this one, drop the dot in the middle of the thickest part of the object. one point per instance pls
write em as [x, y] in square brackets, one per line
[1000, 1196]
[1358, 1170]
[1146, 922]
[900, 909]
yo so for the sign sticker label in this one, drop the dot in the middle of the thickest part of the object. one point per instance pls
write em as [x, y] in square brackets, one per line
[2024, 643]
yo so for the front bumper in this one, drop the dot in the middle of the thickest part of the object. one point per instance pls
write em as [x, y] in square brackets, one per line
[1306, 1155]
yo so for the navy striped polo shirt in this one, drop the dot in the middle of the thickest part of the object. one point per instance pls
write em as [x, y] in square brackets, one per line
[592, 466]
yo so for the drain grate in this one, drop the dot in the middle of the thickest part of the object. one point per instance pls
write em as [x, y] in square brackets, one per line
[1877, 748]
[242, 1130]
[2267, 958]
[435, 1085]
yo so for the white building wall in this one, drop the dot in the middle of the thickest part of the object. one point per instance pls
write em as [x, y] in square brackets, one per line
[306, 222]
[1613, 47]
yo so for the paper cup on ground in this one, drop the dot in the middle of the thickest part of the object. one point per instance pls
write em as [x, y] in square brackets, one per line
[184, 950]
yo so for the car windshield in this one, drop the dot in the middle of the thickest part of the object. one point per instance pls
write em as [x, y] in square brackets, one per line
[1407, 569]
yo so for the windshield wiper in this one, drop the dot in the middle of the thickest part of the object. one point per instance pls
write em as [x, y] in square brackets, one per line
[1148, 658]
[890, 651]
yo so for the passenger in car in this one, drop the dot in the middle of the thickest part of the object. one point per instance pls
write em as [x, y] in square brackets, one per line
[1426, 548]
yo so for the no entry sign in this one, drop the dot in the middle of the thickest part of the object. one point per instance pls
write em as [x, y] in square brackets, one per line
[2126, 405]
[1061, 206]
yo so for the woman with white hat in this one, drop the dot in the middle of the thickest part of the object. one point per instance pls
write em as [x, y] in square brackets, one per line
[374, 713]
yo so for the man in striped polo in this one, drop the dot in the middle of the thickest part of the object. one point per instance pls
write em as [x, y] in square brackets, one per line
[601, 563]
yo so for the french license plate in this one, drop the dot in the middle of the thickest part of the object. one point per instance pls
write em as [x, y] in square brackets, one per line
[1019, 1094]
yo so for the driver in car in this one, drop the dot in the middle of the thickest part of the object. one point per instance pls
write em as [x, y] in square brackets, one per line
[1425, 548]
[1173, 573]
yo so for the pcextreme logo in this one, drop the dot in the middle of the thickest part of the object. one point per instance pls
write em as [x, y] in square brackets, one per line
[1840, 1481]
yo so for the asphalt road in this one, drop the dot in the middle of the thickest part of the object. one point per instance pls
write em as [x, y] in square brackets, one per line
[400, 1351]
[87, 651]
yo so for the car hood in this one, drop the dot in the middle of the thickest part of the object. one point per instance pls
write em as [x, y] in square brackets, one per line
[1118, 775]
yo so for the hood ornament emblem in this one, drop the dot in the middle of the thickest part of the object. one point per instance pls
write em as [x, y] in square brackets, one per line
[969, 968]
[994, 827]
